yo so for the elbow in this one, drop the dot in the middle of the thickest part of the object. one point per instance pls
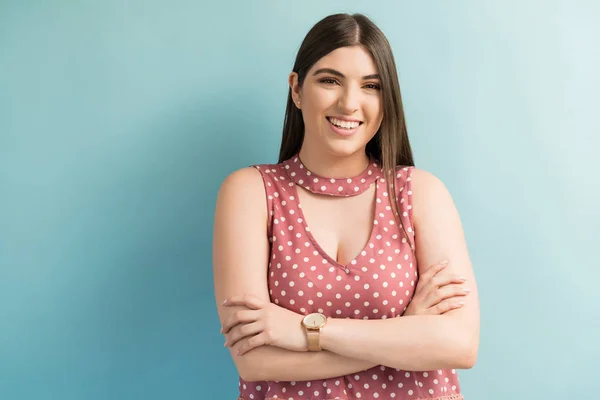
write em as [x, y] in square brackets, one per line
[467, 360]
[248, 375]
[464, 340]
[249, 368]
[467, 356]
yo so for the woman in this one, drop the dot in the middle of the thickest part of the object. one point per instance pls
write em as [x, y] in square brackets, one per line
[315, 256]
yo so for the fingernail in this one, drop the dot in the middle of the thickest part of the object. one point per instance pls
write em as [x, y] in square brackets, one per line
[225, 344]
[224, 301]
[444, 262]
[462, 278]
[461, 303]
[466, 290]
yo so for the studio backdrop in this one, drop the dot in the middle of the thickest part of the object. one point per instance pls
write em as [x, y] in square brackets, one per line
[119, 120]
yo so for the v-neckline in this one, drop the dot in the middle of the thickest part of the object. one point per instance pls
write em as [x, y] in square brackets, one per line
[355, 260]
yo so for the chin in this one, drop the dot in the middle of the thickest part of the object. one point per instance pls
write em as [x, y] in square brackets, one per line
[345, 148]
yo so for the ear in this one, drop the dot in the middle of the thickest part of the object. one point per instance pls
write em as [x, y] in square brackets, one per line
[295, 88]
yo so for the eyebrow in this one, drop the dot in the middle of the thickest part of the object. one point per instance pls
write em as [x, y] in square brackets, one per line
[338, 73]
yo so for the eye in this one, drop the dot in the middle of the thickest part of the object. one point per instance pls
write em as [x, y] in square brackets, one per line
[373, 86]
[328, 81]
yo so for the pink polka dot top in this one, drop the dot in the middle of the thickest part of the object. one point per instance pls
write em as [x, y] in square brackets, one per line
[378, 283]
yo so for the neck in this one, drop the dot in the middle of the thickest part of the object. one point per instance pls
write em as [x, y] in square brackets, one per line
[330, 165]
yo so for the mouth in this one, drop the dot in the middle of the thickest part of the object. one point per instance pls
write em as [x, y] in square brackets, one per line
[344, 125]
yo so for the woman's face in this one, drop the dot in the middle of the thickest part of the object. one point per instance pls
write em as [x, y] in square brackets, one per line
[340, 101]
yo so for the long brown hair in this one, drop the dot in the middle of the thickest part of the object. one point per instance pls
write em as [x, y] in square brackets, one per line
[390, 146]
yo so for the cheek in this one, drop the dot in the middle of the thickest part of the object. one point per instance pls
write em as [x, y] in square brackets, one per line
[375, 113]
[314, 111]
[320, 100]
[377, 109]
[373, 125]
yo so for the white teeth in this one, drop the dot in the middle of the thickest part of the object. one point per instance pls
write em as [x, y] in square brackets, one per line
[344, 124]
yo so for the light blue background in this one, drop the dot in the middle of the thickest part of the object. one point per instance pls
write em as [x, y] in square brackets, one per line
[119, 121]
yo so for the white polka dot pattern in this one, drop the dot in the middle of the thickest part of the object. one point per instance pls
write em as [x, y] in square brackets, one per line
[377, 284]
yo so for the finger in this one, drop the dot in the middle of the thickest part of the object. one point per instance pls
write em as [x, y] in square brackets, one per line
[445, 306]
[434, 269]
[253, 342]
[424, 283]
[445, 279]
[242, 331]
[248, 300]
[240, 317]
[445, 292]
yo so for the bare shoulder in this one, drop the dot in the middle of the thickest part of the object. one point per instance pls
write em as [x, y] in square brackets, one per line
[426, 181]
[429, 194]
[247, 181]
[242, 190]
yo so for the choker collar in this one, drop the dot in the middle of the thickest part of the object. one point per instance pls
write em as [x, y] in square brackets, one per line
[349, 186]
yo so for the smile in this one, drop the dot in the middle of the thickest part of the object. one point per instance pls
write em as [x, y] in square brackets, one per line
[344, 124]
[343, 128]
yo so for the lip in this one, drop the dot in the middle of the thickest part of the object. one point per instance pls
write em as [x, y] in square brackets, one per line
[347, 119]
[342, 131]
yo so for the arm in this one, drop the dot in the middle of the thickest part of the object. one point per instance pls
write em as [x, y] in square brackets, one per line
[240, 260]
[269, 363]
[422, 342]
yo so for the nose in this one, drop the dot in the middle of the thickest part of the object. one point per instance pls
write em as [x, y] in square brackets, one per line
[349, 100]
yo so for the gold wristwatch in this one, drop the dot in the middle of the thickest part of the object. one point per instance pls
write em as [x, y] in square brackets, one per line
[313, 323]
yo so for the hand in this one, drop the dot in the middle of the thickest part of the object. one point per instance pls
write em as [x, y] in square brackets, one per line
[263, 323]
[436, 292]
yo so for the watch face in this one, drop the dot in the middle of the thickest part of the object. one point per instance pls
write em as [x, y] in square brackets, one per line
[315, 320]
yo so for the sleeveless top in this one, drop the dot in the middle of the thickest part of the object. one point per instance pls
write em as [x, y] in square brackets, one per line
[378, 283]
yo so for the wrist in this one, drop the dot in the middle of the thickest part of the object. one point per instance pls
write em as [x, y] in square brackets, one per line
[328, 333]
[304, 345]
[313, 325]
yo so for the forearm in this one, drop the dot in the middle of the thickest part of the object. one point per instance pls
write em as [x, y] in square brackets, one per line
[412, 343]
[268, 363]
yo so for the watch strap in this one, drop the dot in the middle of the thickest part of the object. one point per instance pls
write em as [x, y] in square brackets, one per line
[312, 336]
